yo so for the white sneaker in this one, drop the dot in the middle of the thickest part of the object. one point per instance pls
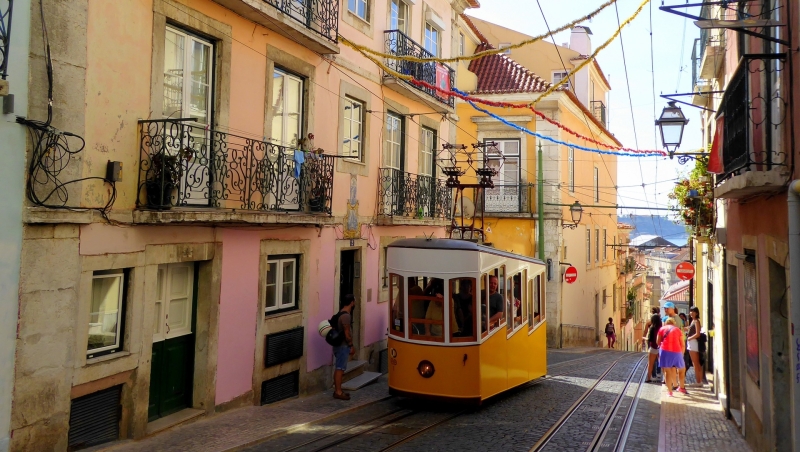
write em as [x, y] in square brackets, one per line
[695, 385]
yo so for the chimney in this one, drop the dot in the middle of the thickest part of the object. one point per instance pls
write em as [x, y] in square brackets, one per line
[580, 40]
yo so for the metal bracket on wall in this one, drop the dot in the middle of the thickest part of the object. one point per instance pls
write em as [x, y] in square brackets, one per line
[738, 25]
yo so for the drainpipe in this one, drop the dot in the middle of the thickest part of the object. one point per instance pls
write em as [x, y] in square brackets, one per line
[793, 200]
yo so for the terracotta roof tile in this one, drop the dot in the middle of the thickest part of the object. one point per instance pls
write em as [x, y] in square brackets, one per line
[499, 74]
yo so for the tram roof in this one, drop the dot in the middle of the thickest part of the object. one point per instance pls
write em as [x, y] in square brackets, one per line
[455, 244]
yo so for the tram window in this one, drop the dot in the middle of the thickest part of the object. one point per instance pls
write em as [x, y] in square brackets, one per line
[515, 300]
[541, 304]
[426, 308]
[509, 295]
[497, 304]
[537, 300]
[529, 302]
[462, 305]
[484, 304]
[396, 289]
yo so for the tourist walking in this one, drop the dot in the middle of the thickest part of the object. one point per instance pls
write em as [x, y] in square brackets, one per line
[672, 313]
[650, 340]
[670, 344]
[611, 333]
[692, 344]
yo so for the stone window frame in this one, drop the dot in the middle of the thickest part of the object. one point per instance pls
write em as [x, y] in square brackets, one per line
[352, 166]
[294, 304]
[170, 12]
[282, 60]
[364, 26]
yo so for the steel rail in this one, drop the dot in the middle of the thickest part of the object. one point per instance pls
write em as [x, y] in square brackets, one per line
[603, 430]
[550, 433]
[623, 437]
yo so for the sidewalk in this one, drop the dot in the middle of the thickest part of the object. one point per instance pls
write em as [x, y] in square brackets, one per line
[696, 422]
[249, 425]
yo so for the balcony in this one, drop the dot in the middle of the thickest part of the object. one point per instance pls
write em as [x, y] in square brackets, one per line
[599, 111]
[751, 166]
[508, 200]
[406, 198]
[213, 175]
[436, 74]
[311, 23]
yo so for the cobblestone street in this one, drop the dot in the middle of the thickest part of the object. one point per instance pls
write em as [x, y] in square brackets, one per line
[517, 421]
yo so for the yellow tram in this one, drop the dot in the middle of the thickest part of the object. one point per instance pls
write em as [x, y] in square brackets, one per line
[466, 321]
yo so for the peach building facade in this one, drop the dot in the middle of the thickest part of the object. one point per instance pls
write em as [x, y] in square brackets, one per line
[241, 173]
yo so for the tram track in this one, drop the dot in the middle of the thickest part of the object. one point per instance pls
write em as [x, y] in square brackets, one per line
[388, 428]
[556, 436]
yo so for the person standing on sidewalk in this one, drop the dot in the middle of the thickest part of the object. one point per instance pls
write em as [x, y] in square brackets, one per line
[611, 333]
[343, 352]
[672, 313]
[692, 344]
[653, 325]
[670, 344]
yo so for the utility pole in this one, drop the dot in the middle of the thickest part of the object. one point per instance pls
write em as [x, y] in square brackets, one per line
[540, 207]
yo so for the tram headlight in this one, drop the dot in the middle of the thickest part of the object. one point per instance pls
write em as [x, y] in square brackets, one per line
[426, 369]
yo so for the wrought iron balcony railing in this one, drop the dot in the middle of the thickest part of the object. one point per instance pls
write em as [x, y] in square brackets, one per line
[414, 196]
[5, 37]
[744, 110]
[508, 198]
[320, 16]
[184, 164]
[398, 43]
[599, 111]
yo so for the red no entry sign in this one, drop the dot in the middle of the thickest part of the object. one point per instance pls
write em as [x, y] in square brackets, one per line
[571, 275]
[685, 271]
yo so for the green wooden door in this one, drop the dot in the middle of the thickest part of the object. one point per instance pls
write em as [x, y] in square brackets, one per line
[172, 361]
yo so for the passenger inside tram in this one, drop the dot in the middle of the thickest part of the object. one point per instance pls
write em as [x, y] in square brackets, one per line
[463, 297]
[435, 310]
[496, 303]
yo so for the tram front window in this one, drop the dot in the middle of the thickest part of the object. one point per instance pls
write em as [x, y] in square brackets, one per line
[426, 308]
[396, 289]
[497, 304]
[462, 306]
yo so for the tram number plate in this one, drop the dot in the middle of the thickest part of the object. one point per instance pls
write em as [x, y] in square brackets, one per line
[393, 361]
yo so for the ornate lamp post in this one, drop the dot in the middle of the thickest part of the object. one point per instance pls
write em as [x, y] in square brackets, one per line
[671, 124]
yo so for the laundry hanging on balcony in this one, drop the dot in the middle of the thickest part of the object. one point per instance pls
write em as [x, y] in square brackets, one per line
[299, 159]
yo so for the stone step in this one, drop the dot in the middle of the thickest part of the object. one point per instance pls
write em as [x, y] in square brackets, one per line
[361, 381]
[354, 369]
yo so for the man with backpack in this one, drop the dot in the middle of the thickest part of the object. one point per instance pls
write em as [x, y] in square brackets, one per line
[342, 342]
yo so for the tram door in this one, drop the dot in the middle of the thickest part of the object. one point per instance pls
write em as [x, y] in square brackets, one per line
[350, 283]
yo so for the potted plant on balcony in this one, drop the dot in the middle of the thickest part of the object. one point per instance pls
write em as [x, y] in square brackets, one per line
[694, 200]
[164, 176]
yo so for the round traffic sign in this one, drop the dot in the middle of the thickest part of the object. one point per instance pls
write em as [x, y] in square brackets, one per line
[571, 275]
[685, 271]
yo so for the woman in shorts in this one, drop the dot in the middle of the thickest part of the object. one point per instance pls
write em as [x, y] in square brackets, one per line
[692, 345]
[670, 353]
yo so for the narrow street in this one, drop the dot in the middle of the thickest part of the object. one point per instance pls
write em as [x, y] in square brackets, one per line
[592, 399]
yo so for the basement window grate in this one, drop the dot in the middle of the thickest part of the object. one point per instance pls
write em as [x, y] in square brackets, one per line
[280, 388]
[284, 346]
[94, 418]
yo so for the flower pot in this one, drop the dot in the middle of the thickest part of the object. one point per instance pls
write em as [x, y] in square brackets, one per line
[159, 195]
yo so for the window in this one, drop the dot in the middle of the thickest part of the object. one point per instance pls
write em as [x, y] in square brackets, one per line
[353, 125]
[106, 313]
[426, 308]
[461, 44]
[604, 297]
[571, 169]
[514, 297]
[173, 303]
[605, 245]
[596, 185]
[494, 307]
[398, 14]
[393, 147]
[535, 297]
[505, 159]
[359, 8]
[462, 305]
[187, 76]
[426, 157]
[597, 245]
[588, 246]
[287, 108]
[431, 42]
[614, 296]
[281, 284]
[560, 75]
[397, 296]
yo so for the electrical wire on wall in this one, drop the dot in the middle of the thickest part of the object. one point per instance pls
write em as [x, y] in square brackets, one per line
[52, 152]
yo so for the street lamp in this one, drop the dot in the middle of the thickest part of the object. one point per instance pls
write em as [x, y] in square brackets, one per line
[671, 124]
[575, 211]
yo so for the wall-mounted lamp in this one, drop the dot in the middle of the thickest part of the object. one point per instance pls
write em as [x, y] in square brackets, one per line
[576, 212]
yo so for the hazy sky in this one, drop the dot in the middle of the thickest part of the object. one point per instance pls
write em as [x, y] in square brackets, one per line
[673, 38]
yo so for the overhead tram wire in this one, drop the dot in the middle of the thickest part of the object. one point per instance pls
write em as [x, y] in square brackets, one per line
[633, 115]
[564, 66]
[653, 85]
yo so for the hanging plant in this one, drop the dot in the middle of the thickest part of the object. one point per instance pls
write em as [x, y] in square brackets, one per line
[693, 196]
